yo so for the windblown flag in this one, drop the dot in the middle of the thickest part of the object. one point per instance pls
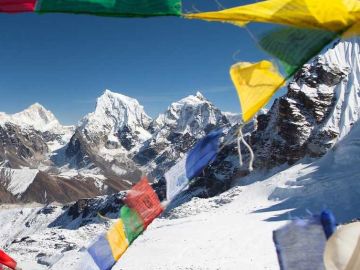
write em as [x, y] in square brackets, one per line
[334, 15]
[14, 6]
[143, 199]
[134, 225]
[142, 207]
[119, 8]
[190, 166]
[107, 250]
[255, 84]
[300, 245]
[342, 251]
[6, 260]
[294, 47]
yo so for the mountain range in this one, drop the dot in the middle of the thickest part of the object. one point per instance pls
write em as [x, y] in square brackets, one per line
[306, 158]
[43, 161]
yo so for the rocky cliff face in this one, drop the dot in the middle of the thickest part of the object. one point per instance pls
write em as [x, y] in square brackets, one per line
[21, 147]
[320, 107]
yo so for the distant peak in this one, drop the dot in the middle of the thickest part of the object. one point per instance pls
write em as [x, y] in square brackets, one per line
[198, 98]
[199, 95]
[108, 92]
[110, 95]
[36, 106]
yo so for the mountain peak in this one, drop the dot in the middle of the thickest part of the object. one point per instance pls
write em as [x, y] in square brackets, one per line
[193, 114]
[115, 100]
[35, 116]
[199, 95]
[37, 106]
[116, 112]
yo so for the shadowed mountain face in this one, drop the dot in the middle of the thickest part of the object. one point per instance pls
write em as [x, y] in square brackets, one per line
[320, 107]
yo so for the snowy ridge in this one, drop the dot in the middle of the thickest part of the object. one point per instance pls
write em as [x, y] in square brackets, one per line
[346, 58]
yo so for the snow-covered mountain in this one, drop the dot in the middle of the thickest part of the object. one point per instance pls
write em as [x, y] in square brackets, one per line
[118, 122]
[176, 130]
[36, 117]
[105, 153]
[105, 138]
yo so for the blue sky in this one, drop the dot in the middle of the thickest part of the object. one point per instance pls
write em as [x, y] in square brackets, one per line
[66, 61]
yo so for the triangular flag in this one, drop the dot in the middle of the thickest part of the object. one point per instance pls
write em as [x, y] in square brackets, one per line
[334, 15]
[255, 85]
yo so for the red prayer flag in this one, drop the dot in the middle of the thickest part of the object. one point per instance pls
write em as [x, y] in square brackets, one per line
[144, 200]
[13, 6]
[7, 260]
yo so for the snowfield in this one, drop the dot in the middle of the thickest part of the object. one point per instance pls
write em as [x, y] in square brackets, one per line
[18, 179]
[234, 230]
[229, 231]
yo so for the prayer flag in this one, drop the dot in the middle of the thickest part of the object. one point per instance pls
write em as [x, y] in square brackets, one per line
[190, 166]
[143, 199]
[14, 6]
[7, 260]
[342, 251]
[335, 15]
[107, 250]
[255, 85]
[133, 223]
[300, 245]
[119, 8]
[293, 46]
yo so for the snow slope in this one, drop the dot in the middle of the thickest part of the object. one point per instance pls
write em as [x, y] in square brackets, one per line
[230, 231]
[17, 180]
[234, 230]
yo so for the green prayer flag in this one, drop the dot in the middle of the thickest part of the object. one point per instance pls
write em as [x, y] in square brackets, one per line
[293, 46]
[119, 8]
[133, 223]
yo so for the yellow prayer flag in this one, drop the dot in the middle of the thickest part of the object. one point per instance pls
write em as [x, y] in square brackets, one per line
[334, 15]
[255, 84]
[117, 239]
[353, 31]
